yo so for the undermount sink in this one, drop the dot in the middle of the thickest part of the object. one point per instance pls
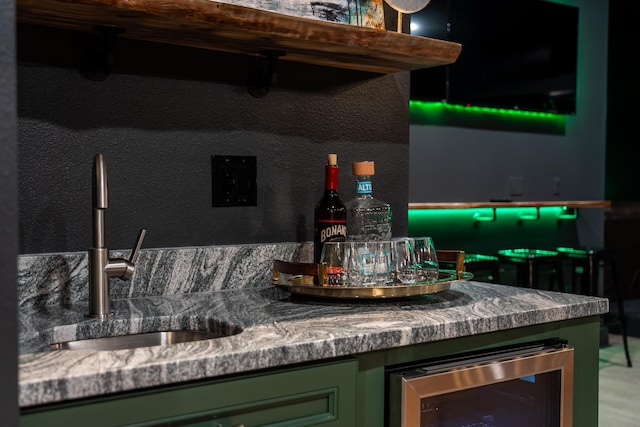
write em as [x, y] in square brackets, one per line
[146, 339]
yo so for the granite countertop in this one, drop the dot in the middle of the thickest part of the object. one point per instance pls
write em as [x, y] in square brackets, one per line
[278, 329]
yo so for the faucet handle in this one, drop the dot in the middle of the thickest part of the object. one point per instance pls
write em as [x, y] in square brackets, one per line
[136, 249]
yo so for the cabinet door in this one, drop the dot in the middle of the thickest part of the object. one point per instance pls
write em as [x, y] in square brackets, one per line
[319, 395]
[318, 408]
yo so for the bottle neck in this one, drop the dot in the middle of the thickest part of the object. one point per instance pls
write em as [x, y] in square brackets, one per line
[331, 178]
[364, 187]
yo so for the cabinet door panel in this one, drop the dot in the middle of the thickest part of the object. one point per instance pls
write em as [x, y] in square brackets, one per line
[315, 408]
[318, 395]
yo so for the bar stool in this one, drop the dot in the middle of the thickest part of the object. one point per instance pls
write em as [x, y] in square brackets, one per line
[480, 263]
[528, 263]
[586, 263]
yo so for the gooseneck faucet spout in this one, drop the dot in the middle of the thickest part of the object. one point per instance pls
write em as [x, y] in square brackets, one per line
[101, 267]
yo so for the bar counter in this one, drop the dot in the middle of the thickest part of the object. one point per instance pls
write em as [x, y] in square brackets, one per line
[229, 287]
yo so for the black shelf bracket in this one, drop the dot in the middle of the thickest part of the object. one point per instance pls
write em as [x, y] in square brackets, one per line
[260, 81]
[96, 61]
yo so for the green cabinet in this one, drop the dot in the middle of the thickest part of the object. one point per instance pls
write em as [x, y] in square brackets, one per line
[583, 334]
[319, 395]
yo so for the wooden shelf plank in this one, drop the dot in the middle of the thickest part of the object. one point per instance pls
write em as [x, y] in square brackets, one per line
[527, 204]
[238, 29]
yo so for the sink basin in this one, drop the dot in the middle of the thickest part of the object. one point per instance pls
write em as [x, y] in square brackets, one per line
[147, 339]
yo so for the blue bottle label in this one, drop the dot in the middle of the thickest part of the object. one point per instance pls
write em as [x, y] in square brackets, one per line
[363, 187]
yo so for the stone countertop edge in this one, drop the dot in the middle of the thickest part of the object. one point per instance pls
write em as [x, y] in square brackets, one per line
[278, 329]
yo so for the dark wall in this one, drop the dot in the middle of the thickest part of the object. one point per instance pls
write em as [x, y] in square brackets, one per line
[622, 177]
[8, 218]
[622, 229]
[161, 114]
[622, 172]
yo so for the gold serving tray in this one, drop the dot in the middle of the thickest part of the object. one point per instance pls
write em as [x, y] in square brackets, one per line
[303, 285]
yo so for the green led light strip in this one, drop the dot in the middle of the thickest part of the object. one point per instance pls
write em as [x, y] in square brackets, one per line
[480, 215]
[470, 109]
[444, 114]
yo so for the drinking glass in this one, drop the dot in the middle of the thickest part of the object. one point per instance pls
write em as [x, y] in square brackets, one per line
[427, 268]
[369, 263]
[335, 255]
[383, 265]
[403, 261]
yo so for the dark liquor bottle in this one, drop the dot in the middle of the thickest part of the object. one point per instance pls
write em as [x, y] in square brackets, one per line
[330, 215]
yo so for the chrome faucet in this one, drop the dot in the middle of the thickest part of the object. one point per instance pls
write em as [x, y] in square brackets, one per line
[101, 267]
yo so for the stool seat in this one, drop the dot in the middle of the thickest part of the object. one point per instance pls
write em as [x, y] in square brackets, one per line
[528, 263]
[586, 262]
[479, 258]
[477, 263]
[517, 255]
[583, 251]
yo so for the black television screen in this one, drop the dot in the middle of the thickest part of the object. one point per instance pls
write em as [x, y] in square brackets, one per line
[515, 54]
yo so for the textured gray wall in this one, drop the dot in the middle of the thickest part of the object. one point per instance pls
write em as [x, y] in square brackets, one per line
[161, 115]
[8, 218]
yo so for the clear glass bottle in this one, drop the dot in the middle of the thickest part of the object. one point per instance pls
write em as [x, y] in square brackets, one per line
[367, 218]
[330, 216]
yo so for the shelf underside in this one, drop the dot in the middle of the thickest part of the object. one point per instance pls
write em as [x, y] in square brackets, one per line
[238, 29]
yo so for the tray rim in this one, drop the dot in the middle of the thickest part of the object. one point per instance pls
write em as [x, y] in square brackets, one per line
[378, 292]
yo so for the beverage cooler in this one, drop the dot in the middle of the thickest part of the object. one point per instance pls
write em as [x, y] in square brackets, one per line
[528, 385]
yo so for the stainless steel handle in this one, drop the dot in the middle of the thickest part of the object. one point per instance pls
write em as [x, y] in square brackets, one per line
[136, 249]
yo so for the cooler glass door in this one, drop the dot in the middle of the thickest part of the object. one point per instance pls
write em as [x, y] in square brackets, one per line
[529, 390]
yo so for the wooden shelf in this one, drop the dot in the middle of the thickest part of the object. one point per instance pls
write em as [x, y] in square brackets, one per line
[529, 204]
[237, 29]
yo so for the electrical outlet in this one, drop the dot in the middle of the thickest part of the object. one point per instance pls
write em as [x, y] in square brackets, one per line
[516, 186]
[234, 181]
[556, 186]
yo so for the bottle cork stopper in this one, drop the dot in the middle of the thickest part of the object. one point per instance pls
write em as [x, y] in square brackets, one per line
[332, 159]
[363, 168]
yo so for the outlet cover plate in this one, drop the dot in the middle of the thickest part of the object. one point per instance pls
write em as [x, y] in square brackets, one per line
[234, 180]
[516, 186]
